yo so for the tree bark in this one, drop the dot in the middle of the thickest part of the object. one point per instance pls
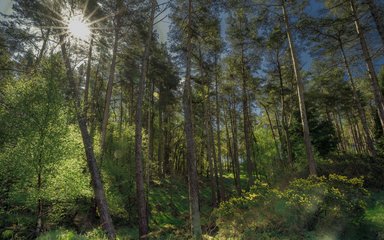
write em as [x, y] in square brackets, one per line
[377, 15]
[363, 117]
[300, 93]
[190, 141]
[87, 79]
[246, 122]
[219, 160]
[368, 60]
[140, 189]
[108, 94]
[97, 185]
[235, 147]
[273, 132]
[284, 121]
[208, 143]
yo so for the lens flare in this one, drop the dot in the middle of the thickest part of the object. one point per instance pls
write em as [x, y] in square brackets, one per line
[79, 28]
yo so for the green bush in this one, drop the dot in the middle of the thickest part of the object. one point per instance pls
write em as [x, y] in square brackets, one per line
[317, 206]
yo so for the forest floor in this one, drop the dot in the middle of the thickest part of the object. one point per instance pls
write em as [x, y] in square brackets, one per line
[169, 215]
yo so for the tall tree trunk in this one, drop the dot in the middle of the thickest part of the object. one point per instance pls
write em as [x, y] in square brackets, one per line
[190, 141]
[300, 93]
[163, 167]
[377, 15]
[87, 79]
[284, 121]
[97, 185]
[219, 160]
[43, 47]
[140, 189]
[207, 130]
[363, 117]
[108, 94]
[235, 147]
[151, 138]
[368, 60]
[246, 122]
[230, 154]
[273, 132]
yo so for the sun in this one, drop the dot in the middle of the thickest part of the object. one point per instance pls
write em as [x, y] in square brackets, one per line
[79, 28]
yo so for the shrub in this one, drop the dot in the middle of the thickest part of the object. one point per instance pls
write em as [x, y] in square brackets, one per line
[314, 206]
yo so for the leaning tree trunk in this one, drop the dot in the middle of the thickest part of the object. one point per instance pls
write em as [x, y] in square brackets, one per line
[368, 60]
[190, 141]
[140, 190]
[300, 93]
[97, 185]
[363, 118]
[377, 15]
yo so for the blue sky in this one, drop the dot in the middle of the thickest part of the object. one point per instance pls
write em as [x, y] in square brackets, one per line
[6, 6]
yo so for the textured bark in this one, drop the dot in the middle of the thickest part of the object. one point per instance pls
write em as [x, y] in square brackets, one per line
[300, 93]
[140, 189]
[368, 60]
[97, 185]
[190, 141]
[377, 15]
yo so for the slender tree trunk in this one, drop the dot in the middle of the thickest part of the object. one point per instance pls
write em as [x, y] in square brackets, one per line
[151, 116]
[108, 94]
[273, 133]
[163, 166]
[235, 147]
[246, 123]
[300, 93]
[87, 79]
[363, 117]
[190, 141]
[219, 159]
[212, 141]
[368, 60]
[43, 47]
[377, 15]
[231, 165]
[207, 130]
[354, 134]
[339, 133]
[39, 224]
[140, 189]
[284, 121]
[97, 185]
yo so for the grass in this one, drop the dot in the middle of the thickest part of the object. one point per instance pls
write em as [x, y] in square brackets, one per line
[374, 215]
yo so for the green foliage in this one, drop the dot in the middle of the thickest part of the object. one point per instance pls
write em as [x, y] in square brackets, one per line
[317, 206]
[41, 157]
[371, 168]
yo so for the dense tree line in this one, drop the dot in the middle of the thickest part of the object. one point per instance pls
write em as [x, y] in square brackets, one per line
[242, 92]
